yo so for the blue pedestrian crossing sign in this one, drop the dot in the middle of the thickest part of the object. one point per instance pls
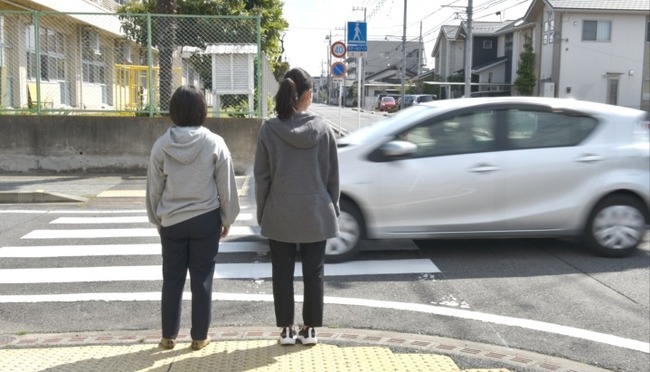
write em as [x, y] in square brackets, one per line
[357, 38]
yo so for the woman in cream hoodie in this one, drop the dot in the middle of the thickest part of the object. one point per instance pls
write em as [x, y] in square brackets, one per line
[192, 199]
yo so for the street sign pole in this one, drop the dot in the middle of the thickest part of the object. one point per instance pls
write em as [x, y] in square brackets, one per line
[358, 47]
[359, 91]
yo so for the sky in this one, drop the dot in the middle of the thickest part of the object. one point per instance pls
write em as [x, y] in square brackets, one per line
[311, 21]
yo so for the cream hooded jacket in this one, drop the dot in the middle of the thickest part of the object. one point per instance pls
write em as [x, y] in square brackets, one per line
[297, 179]
[190, 173]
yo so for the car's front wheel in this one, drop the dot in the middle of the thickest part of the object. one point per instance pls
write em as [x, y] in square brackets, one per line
[617, 225]
[345, 246]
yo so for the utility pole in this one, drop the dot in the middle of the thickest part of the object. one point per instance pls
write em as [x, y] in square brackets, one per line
[329, 68]
[404, 54]
[468, 52]
[420, 59]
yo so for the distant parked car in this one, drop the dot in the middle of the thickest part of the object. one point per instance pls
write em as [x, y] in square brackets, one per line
[496, 168]
[414, 99]
[387, 103]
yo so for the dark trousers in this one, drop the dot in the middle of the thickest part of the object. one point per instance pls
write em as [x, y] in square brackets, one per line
[193, 245]
[283, 257]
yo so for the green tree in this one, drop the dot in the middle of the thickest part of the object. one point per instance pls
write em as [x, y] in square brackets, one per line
[525, 82]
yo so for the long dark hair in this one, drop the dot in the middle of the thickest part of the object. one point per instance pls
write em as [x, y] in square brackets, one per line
[294, 83]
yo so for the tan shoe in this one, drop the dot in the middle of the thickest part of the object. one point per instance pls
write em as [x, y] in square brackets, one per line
[200, 344]
[167, 343]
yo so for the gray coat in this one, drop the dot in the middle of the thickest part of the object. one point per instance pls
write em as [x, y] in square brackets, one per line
[297, 179]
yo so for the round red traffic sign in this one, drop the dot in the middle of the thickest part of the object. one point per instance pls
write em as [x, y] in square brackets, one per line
[338, 49]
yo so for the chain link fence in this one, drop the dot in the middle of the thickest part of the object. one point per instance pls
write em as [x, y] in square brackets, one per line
[127, 64]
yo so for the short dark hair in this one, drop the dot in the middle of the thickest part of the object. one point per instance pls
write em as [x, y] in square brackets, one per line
[187, 106]
[293, 85]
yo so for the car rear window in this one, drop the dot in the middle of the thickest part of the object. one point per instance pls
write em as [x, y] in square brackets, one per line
[537, 129]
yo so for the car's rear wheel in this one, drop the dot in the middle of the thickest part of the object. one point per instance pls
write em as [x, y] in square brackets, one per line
[345, 246]
[617, 225]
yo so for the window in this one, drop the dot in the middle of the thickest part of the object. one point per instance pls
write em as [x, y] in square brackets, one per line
[52, 53]
[455, 135]
[647, 32]
[92, 59]
[612, 88]
[536, 129]
[596, 30]
[487, 44]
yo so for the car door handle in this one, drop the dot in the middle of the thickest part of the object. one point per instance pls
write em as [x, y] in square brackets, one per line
[484, 168]
[590, 158]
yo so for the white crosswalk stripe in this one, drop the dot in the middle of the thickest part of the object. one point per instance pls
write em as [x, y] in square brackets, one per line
[102, 229]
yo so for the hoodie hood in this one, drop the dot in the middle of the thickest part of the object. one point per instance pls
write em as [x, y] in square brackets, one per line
[185, 143]
[304, 130]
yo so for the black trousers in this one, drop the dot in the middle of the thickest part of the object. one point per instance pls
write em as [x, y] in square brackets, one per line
[283, 257]
[193, 245]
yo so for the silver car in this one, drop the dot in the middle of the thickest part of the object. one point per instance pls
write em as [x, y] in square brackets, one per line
[495, 168]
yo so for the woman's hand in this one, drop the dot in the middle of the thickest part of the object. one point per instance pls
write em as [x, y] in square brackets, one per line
[224, 231]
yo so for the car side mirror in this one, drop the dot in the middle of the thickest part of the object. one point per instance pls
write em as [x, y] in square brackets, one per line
[395, 149]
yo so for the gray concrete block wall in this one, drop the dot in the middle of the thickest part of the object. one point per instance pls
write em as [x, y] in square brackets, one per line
[50, 143]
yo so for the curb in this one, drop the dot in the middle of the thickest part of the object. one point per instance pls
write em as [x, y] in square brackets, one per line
[38, 197]
[515, 359]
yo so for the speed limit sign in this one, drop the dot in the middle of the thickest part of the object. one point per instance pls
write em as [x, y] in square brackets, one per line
[338, 49]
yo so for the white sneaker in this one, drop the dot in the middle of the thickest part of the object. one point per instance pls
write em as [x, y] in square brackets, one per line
[288, 336]
[307, 336]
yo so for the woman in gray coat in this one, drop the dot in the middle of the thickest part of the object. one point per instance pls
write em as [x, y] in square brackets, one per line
[297, 195]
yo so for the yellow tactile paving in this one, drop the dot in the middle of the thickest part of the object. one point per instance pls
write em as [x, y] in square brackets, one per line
[223, 356]
[425, 363]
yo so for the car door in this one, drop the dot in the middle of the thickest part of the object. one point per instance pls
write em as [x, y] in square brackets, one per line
[447, 185]
[548, 168]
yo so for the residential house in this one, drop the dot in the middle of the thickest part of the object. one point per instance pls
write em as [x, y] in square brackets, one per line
[584, 49]
[592, 50]
[495, 50]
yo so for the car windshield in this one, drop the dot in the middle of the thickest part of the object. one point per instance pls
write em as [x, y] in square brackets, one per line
[386, 126]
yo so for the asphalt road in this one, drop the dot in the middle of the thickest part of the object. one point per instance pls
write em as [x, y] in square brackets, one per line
[547, 296]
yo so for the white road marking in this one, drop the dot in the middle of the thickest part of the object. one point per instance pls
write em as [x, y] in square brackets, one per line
[100, 220]
[115, 233]
[546, 327]
[62, 211]
[50, 251]
[121, 219]
[222, 271]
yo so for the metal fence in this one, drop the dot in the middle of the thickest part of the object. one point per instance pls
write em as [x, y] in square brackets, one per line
[118, 64]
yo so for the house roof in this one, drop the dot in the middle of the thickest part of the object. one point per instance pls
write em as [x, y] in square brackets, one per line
[587, 5]
[488, 28]
[600, 4]
[447, 32]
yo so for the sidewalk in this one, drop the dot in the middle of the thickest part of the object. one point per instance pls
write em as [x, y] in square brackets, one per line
[239, 348]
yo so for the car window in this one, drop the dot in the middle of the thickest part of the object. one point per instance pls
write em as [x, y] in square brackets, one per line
[454, 135]
[537, 129]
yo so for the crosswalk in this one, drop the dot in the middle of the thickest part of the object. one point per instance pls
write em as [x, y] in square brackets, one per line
[109, 247]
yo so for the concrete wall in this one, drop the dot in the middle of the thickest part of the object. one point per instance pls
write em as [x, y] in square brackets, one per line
[50, 143]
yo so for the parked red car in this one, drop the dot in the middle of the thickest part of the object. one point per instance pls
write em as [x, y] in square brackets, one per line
[387, 104]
